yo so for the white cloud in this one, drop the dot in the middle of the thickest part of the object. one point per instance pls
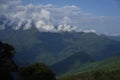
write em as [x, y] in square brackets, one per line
[72, 7]
[42, 15]
[89, 31]
[66, 20]
[28, 25]
[46, 16]
[66, 27]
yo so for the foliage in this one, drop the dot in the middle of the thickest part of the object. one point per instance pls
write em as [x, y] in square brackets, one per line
[36, 71]
[108, 69]
[71, 63]
[102, 74]
[57, 46]
[7, 65]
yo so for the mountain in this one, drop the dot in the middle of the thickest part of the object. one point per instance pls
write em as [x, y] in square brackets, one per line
[52, 47]
[71, 63]
[117, 38]
[108, 69]
[113, 37]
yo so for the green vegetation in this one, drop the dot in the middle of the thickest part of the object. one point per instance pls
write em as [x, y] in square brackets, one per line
[76, 56]
[7, 65]
[34, 46]
[71, 63]
[36, 71]
[102, 70]
[102, 74]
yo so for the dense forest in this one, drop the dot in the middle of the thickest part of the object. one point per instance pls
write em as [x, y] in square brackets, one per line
[108, 69]
[10, 71]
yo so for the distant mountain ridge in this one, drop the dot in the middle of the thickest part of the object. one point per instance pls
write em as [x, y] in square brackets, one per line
[117, 38]
[51, 47]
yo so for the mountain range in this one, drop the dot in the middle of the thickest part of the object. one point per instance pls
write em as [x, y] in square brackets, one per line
[63, 51]
[52, 47]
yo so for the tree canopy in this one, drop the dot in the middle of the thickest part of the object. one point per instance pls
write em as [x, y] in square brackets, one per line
[37, 71]
[7, 65]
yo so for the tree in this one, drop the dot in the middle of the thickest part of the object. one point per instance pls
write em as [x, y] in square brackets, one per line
[36, 71]
[7, 65]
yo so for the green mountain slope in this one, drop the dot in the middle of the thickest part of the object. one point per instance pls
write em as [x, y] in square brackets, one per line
[71, 63]
[104, 70]
[50, 48]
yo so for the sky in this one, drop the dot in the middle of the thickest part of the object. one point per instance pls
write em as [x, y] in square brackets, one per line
[101, 16]
[97, 7]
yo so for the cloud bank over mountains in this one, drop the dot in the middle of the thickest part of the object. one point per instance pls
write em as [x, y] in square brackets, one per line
[41, 17]
[47, 17]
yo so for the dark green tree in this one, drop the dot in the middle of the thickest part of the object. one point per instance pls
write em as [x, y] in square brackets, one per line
[36, 71]
[7, 65]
